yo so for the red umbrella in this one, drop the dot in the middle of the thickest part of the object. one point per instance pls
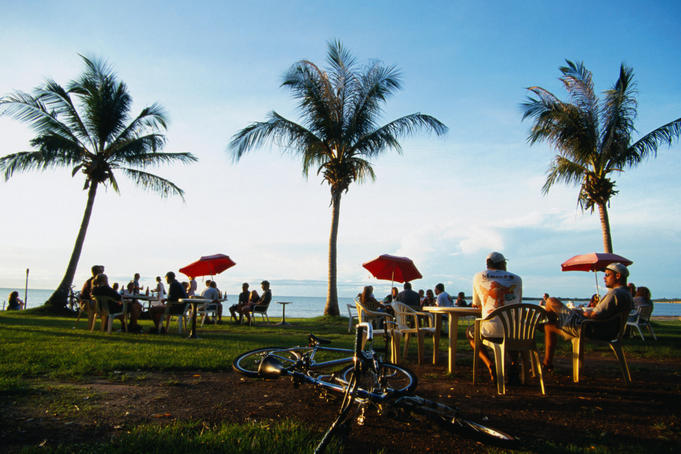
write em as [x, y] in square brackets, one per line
[594, 261]
[208, 265]
[400, 269]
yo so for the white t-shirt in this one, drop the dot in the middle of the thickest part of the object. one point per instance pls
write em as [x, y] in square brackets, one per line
[493, 289]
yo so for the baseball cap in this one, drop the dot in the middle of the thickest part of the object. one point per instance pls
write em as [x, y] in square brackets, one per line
[496, 257]
[618, 268]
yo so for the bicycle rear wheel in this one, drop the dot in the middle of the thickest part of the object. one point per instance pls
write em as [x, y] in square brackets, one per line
[248, 363]
[391, 377]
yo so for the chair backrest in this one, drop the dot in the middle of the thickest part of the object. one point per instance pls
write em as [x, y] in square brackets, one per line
[519, 322]
[402, 314]
[644, 313]
[102, 304]
[351, 308]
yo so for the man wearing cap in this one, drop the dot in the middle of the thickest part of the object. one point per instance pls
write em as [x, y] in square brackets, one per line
[494, 288]
[567, 322]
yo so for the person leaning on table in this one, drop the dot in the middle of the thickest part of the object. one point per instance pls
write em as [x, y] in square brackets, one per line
[567, 322]
[175, 292]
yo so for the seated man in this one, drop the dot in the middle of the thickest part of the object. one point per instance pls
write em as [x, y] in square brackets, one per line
[567, 322]
[494, 288]
[263, 300]
[175, 292]
[243, 301]
[211, 292]
[409, 297]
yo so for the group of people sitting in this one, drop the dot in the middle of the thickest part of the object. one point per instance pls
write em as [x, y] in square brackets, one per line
[98, 285]
[413, 299]
[248, 300]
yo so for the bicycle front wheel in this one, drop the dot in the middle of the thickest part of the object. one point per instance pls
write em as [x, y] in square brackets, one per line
[390, 378]
[248, 363]
[479, 432]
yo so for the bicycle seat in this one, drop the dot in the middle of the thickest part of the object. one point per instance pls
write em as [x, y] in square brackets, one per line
[313, 340]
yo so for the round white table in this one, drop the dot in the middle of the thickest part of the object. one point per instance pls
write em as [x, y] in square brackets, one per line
[453, 313]
[195, 303]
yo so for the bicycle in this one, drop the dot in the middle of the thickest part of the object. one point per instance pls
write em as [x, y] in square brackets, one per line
[365, 380]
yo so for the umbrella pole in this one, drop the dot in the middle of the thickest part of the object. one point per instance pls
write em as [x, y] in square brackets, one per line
[598, 292]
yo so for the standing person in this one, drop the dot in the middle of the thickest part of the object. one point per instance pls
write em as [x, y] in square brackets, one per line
[160, 289]
[191, 291]
[243, 301]
[14, 303]
[443, 298]
[136, 283]
[409, 297]
[493, 288]
[567, 322]
[175, 292]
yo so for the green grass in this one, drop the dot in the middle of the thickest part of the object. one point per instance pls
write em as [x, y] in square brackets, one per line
[36, 352]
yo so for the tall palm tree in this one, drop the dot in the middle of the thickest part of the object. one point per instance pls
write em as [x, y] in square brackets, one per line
[593, 137]
[87, 127]
[339, 134]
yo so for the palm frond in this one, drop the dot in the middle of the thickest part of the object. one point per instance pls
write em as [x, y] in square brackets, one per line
[387, 135]
[153, 183]
[618, 114]
[277, 129]
[664, 135]
[563, 170]
[33, 160]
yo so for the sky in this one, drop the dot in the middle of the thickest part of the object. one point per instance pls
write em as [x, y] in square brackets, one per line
[445, 202]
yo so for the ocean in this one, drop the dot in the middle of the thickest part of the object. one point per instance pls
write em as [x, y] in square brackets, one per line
[304, 306]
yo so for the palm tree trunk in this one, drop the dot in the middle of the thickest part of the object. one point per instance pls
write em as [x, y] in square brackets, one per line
[58, 299]
[331, 307]
[605, 227]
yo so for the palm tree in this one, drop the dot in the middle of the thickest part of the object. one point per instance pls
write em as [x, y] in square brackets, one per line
[593, 138]
[339, 132]
[87, 127]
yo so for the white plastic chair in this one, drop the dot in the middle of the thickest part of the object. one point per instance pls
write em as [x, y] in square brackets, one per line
[615, 344]
[641, 318]
[352, 316]
[407, 323]
[519, 322]
[107, 318]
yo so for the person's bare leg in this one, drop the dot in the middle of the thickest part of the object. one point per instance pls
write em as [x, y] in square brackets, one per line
[551, 329]
[481, 353]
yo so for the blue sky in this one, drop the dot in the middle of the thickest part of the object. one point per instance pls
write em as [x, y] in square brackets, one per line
[445, 202]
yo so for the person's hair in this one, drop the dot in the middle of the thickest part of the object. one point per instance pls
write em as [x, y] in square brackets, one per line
[208, 281]
[131, 286]
[244, 285]
[97, 269]
[253, 296]
[644, 292]
[366, 293]
[100, 280]
[13, 296]
[393, 290]
[429, 293]
[495, 265]
[407, 285]
[170, 274]
[213, 284]
[115, 286]
[631, 287]
[440, 287]
[158, 278]
[461, 295]
[595, 297]
[265, 283]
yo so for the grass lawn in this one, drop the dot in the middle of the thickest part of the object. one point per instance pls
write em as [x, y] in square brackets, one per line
[41, 355]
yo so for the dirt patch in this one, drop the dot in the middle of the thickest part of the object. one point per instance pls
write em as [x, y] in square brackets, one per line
[600, 410]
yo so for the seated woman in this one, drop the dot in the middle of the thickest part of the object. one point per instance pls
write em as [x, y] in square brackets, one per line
[367, 300]
[14, 303]
[593, 302]
[642, 298]
[429, 299]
